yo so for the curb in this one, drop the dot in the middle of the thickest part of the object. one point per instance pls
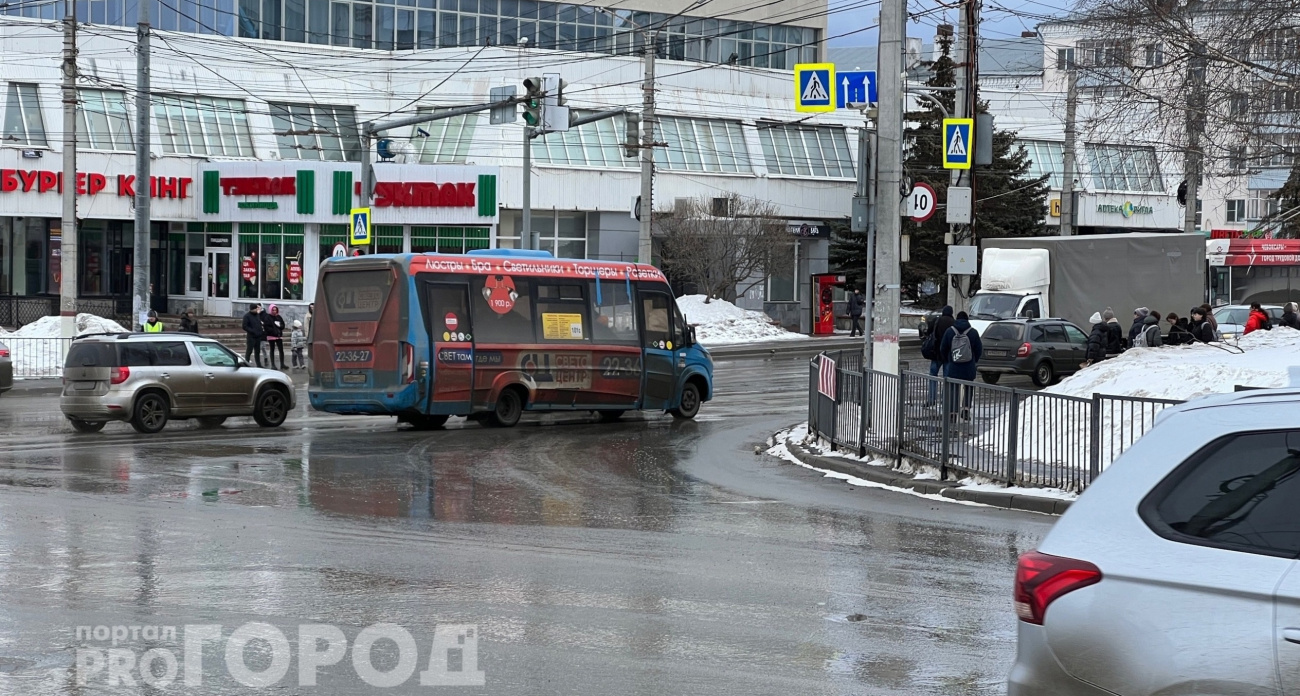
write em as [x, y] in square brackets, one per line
[947, 489]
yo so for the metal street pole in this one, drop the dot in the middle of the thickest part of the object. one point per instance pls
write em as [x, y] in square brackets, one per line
[526, 237]
[889, 167]
[68, 226]
[143, 111]
[1067, 164]
[645, 248]
[863, 221]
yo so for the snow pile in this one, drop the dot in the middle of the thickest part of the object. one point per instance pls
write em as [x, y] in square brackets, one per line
[1058, 434]
[1186, 372]
[718, 322]
[37, 349]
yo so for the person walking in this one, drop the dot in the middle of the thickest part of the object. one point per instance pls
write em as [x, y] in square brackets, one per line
[1200, 326]
[153, 325]
[1180, 332]
[1098, 339]
[1114, 333]
[1290, 317]
[962, 349]
[298, 343]
[188, 324]
[930, 350]
[855, 313]
[274, 336]
[1139, 318]
[1258, 319]
[255, 332]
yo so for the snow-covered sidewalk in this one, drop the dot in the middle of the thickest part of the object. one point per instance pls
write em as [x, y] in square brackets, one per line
[718, 322]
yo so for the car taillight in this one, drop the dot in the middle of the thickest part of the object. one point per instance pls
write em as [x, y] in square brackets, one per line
[120, 374]
[408, 363]
[4, 352]
[1024, 349]
[1041, 578]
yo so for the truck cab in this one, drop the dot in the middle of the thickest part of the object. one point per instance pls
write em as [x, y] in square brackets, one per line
[1014, 284]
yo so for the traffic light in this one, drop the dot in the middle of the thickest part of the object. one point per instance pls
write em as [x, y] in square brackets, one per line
[534, 91]
[632, 143]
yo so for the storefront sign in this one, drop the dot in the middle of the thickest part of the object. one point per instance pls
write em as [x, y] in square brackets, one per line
[1127, 209]
[294, 273]
[219, 240]
[90, 183]
[397, 194]
[248, 269]
[259, 186]
[809, 230]
[1254, 252]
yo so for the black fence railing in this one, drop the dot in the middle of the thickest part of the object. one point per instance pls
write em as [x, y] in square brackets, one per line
[1009, 435]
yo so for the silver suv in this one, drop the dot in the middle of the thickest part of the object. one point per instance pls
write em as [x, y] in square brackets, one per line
[1176, 571]
[148, 378]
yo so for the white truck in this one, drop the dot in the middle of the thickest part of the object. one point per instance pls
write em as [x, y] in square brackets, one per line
[1072, 277]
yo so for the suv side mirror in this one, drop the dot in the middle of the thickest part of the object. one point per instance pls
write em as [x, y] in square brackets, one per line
[240, 362]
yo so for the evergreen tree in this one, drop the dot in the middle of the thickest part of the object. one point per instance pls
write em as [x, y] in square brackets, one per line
[1009, 202]
[1286, 221]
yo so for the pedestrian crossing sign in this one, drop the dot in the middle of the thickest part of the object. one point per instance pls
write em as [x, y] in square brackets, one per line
[814, 87]
[957, 145]
[360, 227]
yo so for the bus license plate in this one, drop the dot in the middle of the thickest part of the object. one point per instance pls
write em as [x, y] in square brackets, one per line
[352, 356]
[354, 379]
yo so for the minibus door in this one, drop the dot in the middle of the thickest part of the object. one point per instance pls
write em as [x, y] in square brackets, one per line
[452, 338]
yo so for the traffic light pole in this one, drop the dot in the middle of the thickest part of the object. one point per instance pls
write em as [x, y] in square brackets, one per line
[645, 247]
[526, 236]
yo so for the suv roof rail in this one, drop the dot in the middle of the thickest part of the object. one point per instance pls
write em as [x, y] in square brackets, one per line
[118, 334]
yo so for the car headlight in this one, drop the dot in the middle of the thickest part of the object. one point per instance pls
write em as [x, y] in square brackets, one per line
[1229, 335]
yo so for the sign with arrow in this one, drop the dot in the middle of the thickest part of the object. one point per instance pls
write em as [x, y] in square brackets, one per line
[814, 87]
[856, 87]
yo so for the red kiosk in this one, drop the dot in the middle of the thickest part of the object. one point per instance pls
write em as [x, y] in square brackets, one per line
[823, 320]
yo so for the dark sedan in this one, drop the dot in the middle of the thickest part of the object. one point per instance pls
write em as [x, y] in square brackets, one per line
[1044, 349]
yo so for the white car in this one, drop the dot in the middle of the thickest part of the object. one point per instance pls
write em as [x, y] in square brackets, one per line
[1176, 571]
[1232, 318]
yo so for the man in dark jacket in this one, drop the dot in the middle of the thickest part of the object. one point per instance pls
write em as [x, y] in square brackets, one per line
[1290, 317]
[1200, 326]
[1139, 318]
[255, 332]
[958, 369]
[1114, 333]
[933, 340]
[855, 313]
[188, 324]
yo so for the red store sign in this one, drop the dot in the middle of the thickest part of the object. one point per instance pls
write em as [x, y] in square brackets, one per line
[1256, 252]
[90, 183]
[400, 194]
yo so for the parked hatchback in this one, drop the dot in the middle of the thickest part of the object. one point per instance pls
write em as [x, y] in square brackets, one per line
[149, 379]
[1232, 318]
[1044, 349]
[1176, 571]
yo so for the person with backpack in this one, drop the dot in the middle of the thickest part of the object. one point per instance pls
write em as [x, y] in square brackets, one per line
[1258, 319]
[961, 350]
[1139, 318]
[1149, 335]
[930, 350]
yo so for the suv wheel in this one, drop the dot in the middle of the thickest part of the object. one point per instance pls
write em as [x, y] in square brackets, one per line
[150, 413]
[271, 409]
[1044, 375]
[83, 426]
[426, 422]
[991, 377]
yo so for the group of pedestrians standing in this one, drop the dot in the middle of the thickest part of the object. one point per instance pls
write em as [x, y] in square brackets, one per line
[953, 347]
[269, 328]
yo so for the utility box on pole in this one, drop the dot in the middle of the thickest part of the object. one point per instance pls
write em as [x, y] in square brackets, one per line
[959, 205]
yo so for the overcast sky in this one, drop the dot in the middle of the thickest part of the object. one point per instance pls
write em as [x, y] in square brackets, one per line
[852, 22]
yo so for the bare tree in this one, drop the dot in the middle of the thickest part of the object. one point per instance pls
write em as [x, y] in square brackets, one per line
[725, 255]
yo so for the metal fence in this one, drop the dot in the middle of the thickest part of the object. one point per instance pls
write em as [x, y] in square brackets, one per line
[36, 357]
[1005, 434]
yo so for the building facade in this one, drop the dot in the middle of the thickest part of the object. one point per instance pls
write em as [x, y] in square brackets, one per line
[256, 159]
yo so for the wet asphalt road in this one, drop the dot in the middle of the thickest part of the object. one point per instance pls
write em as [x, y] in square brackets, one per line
[644, 557]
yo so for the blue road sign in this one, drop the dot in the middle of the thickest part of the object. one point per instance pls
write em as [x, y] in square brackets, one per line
[814, 87]
[856, 87]
[958, 149]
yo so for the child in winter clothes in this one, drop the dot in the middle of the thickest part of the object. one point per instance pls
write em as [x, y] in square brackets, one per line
[298, 341]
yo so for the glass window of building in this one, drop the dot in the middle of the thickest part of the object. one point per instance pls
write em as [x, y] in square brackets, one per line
[1045, 157]
[316, 132]
[193, 125]
[562, 233]
[1125, 168]
[821, 151]
[22, 117]
[449, 240]
[419, 24]
[699, 145]
[446, 141]
[269, 255]
[331, 235]
[598, 144]
[387, 239]
[102, 121]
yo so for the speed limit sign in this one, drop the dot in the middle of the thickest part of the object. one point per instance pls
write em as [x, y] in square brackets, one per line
[922, 201]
